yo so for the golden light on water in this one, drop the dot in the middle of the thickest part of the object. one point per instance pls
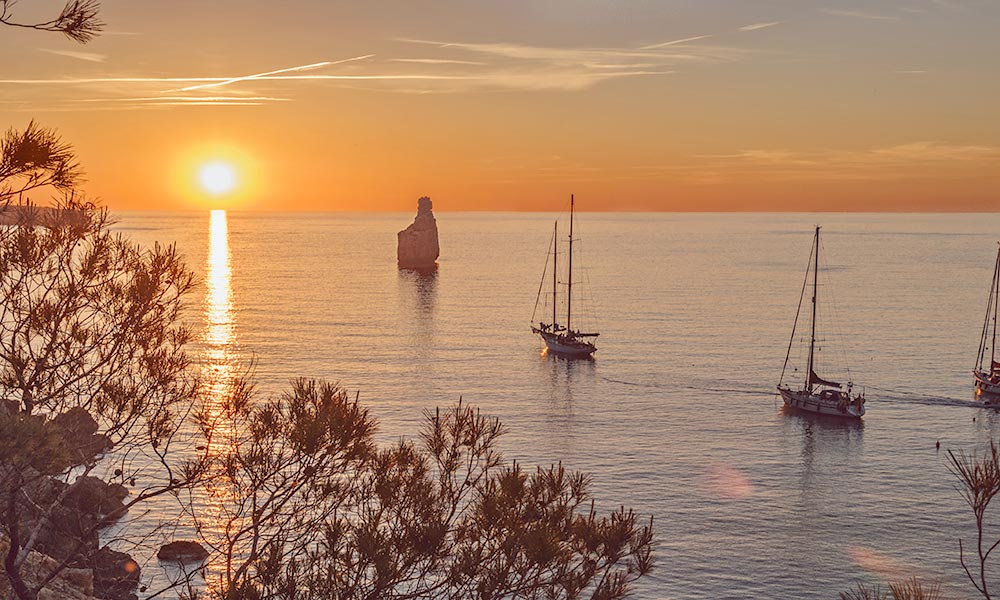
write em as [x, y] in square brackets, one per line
[219, 332]
[220, 362]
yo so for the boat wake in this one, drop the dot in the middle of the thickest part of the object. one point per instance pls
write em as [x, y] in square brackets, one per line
[880, 395]
[901, 397]
[746, 391]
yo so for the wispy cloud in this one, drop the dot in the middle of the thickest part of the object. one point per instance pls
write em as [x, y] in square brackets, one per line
[204, 103]
[953, 5]
[756, 26]
[92, 80]
[917, 152]
[857, 14]
[933, 6]
[911, 161]
[442, 82]
[567, 80]
[684, 42]
[87, 56]
[444, 67]
[901, 161]
[437, 61]
[580, 55]
[507, 65]
[190, 99]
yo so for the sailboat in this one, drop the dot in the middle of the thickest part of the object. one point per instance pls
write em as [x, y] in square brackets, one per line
[818, 395]
[562, 338]
[988, 378]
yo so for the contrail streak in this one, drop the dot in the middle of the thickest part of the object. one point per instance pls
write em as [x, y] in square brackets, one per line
[269, 73]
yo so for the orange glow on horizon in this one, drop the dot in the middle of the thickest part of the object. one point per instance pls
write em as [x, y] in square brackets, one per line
[674, 107]
[216, 176]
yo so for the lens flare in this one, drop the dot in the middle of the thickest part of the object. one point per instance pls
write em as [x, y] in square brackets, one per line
[725, 483]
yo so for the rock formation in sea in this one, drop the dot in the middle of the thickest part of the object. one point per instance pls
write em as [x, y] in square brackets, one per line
[183, 551]
[418, 244]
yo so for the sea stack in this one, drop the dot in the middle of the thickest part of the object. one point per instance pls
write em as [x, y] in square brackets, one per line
[418, 243]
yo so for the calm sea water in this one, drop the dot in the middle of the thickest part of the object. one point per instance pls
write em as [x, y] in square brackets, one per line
[676, 415]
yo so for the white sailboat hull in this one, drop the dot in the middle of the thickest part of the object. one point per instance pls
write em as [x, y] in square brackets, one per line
[810, 402]
[987, 390]
[560, 345]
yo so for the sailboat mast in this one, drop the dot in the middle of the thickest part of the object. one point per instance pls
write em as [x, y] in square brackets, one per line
[555, 271]
[996, 301]
[812, 335]
[569, 285]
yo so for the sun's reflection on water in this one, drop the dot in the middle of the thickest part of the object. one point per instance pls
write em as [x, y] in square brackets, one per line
[219, 333]
[219, 372]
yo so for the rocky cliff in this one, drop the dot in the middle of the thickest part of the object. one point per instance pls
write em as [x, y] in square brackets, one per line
[70, 584]
[418, 244]
[63, 519]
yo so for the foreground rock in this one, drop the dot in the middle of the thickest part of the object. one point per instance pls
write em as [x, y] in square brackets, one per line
[79, 433]
[93, 496]
[65, 519]
[418, 244]
[71, 584]
[116, 575]
[182, 551]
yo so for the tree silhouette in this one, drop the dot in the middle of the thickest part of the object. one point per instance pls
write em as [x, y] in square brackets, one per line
[94, 379]
[979, 483]
[310, 508]
[78, 19]
[907, 589]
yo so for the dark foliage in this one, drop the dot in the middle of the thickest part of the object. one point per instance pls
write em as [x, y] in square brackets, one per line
[312, 509]
[35, 158]
[92, 373]
[78, 19]
[979, 483]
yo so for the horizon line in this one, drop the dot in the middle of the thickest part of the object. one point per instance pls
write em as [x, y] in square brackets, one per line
[633, 211]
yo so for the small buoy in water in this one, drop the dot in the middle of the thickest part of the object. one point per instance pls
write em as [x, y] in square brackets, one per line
[937, 446]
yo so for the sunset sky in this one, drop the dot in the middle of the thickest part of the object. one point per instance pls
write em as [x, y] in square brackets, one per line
[513, 105]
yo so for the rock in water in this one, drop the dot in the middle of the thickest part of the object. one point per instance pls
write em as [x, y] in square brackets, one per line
[182, 551]
[418, 243]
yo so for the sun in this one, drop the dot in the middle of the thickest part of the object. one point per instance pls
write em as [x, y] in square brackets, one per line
[217, 178]
[216, 175]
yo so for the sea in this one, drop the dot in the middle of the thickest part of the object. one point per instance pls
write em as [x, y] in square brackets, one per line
[676, 416]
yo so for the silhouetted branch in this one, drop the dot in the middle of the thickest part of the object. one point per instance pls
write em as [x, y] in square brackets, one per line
[908, 589]
[33, 158]
[979, 483]
[77, 20]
